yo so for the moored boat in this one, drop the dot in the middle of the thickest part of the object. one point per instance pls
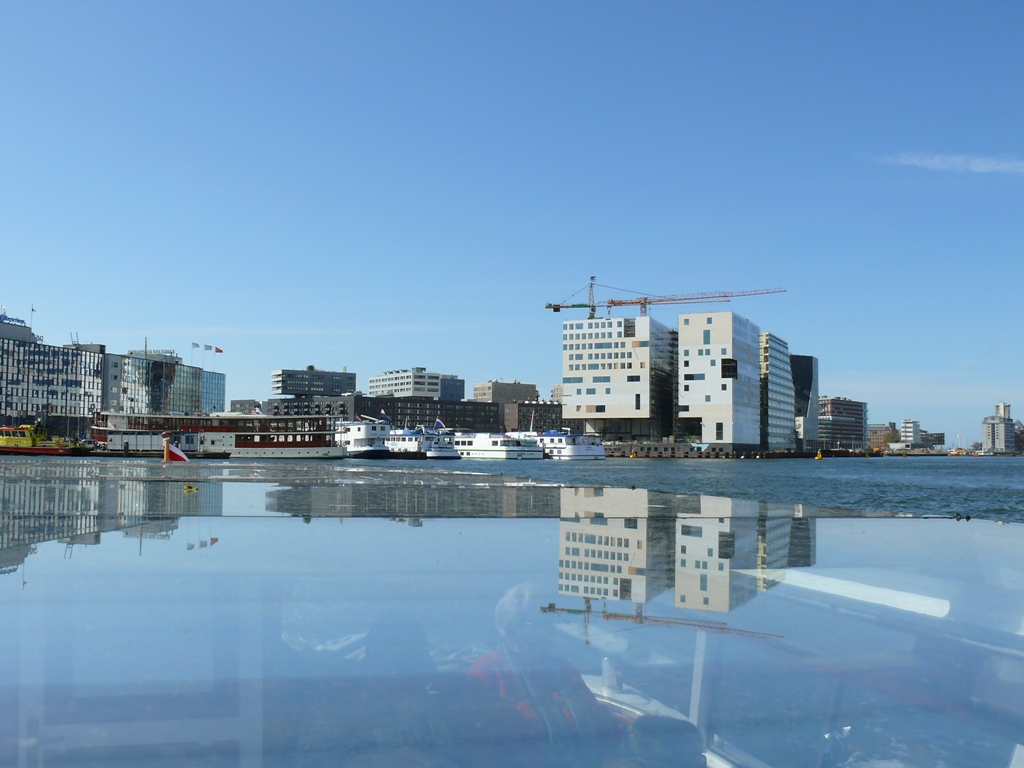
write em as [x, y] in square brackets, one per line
[485, 445]
[564, 445]
[31, 440]
[421, 443]
[364, 439]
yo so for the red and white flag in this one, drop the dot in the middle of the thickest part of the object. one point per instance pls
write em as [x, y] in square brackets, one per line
[218, 351]
[174, 453]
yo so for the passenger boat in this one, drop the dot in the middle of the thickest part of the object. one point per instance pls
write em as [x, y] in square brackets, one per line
[421, 443]
[219, 435]
[31, 440]
[364, 439]
[484, 445]
[564, 445]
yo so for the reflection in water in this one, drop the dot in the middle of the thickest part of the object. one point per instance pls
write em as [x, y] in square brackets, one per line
[893, 643]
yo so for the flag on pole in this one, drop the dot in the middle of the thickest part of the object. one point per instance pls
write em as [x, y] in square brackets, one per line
[207, 348]
[384, 416]
[195, 345]
[218, 351]
[438, 424]
[174, 453]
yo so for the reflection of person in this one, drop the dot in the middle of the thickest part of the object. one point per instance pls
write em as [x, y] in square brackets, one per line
[546, 690]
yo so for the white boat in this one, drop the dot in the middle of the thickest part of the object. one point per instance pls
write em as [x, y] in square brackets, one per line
[484, 445]
[236, 435]
[421, 443]
[565, 446]
[364, 439]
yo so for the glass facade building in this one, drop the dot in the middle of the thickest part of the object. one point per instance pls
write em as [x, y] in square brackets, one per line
[60, 387]
[160, 385]
[213, 392]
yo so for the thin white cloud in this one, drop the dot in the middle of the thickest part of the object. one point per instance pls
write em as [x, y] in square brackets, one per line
[959, 163]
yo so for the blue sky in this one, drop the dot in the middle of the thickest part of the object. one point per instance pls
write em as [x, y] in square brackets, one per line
[383, 185]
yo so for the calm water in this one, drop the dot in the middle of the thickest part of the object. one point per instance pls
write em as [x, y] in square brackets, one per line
[413, 615]
[987, 487]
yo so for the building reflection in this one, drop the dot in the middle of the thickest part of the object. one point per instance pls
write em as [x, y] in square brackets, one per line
[75, 506]
[611, 546]
[728, 550]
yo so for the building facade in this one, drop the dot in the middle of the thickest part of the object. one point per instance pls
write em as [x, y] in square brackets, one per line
[842, 423]
[156, 381]
[719, 386]
[247, 406]
[61, 387]
[878, 434]
[619, 377]
[311, 382]
[998, 434]
[539, 416]
[910, 433]
[505, 392]
[778, 401]
[417, 382]
[412, 411]
[805, 398]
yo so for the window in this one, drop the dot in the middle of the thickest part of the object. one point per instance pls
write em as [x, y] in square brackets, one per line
[591, 391]
[704, 583]
[686, 321]
[607, 390]
[711, 552]
[707, 335]
[599, 409]
[686, 363]
[724, 387]
[572, 380]
[693, 377]
[632, 378]
[724, 352]
[686, 387]
[602, 379]
[637, 401]
[700, 353]
[709, 321]
[684, 408]
[707, 398]
[686, 353]
[719, 431]
[578, 392]
[729, 368]
[691, 530]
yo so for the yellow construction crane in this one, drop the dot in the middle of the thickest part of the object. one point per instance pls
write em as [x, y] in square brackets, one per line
[644, 301]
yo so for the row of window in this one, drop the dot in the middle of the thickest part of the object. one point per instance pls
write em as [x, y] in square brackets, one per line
[598, 324]
[601, 366]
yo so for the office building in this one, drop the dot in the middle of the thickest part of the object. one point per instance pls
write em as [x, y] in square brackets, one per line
[417, 382]
[719, 398]
[538, 416]
[311, 382]
[998, 433]
[910, 433]
[618, 377]
[59, 386]
[805, 398]
[878, 435]
[156, 381]
[611, 547]
[933, 439]
[247, 406]
[842, 423]
[778, 402]
[505, 392]
[412, 411]
[556, 393]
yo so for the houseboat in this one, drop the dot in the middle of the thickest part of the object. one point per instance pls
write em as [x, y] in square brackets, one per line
[484, 445]
[421, 443]
[364, 439]
[564, 445]
[234, 435]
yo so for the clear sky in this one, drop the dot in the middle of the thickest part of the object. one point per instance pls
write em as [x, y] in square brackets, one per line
[386, 185]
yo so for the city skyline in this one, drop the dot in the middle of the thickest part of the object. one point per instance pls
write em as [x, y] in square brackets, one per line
[364, 186]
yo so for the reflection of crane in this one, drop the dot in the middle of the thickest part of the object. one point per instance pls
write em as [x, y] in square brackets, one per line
[644, 301]
[662, 621]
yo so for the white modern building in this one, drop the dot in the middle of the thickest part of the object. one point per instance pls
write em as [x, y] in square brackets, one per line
[417, 382]
[618, 376]
[998, 432]
[719, 400]
[778, 406]
[910, 433]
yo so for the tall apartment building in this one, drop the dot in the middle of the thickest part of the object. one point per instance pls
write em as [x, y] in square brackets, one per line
[417, 382]
[611, 547]
[778, 402]
[619, 376]
[910, 433]
[805, 394]
[719, 385]
[842, 423]
[311, 382]
[505, 392]
[998, 434]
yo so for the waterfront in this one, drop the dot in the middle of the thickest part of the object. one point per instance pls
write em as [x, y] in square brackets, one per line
[350, 613]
